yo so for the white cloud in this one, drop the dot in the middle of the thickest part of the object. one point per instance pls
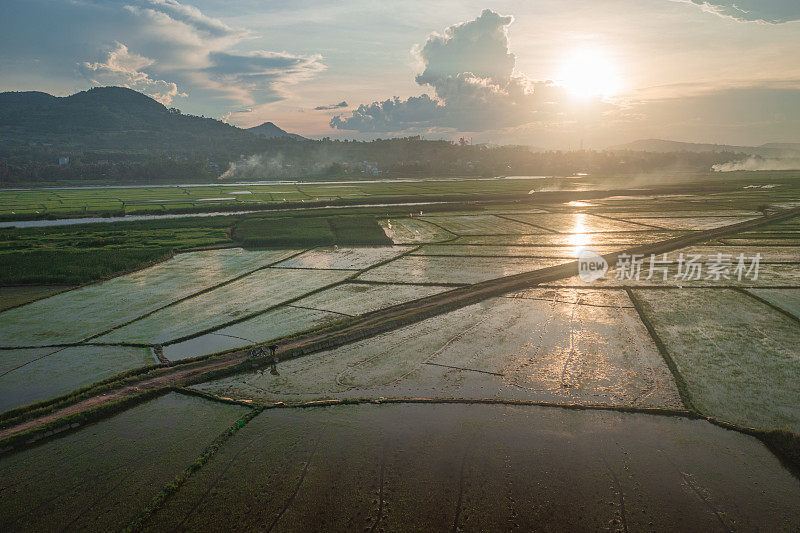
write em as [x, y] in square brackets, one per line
[196, 49]
[766, 11]
[124, 68]
[470, 70]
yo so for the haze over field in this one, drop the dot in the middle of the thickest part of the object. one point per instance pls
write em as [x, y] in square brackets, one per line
[545, 74]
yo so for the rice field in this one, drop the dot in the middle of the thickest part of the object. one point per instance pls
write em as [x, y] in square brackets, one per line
[479, 467]
[279, 322]
[738, 356]
[18, 295]
[100, 477]
[577, 239]
[80, 313]
[489, 250]
[578, 223]
[481, 225]
[786, 299]
[343, 258]
[29, 375]
[324, 307]
[565, 346]
[769, 254]
[689, 223]
[769, 275]
[455, 270]
[413, 231]
[235, 301]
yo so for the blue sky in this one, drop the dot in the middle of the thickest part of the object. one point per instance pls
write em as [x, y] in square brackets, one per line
[543, 73]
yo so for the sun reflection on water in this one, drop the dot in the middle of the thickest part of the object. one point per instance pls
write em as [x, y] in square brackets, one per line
[578, 238]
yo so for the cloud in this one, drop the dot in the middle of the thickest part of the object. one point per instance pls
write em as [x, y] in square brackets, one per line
[262, 76]
[471, 71]
[195, 49]
[186, 14]
[479, 47]
[765, 11]
[124, 68]
[332, 106]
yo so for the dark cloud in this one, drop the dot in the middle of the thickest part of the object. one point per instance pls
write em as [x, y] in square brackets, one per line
[769, 11]
[329, 107]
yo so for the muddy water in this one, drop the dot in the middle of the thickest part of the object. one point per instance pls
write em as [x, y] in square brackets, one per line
[479, 467]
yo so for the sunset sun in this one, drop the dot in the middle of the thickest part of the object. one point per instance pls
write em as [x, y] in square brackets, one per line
[589, 73]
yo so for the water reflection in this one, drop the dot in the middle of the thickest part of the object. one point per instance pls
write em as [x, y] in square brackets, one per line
[578, 238]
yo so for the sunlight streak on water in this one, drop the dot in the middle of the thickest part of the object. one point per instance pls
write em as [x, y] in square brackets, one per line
[578, 237]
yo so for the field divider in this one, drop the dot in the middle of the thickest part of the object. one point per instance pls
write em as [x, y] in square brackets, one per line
[289, 302]
[37, 435]
[260, 312]
[318, 309]
[769, 304]
[172, 487]
[680, 383]
[189, 297]
[512, 219]
[607, 217]
[784, 444]
[364, 326]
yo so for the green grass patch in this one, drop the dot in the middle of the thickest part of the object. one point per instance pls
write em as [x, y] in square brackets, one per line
[75, 266]
[310, 231]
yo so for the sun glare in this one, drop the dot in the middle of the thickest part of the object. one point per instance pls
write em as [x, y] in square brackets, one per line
[589, 74]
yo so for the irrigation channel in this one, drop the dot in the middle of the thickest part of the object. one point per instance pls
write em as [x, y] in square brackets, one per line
[191, 371]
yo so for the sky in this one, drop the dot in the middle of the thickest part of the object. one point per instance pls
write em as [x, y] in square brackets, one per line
[547, 73]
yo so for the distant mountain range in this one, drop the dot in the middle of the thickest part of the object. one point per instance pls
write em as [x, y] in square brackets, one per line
[271, 131]
[120, 121]
[659, 145]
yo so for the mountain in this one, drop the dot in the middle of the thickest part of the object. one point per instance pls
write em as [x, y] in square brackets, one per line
[271, 131]
[660, 145]
[115, 122]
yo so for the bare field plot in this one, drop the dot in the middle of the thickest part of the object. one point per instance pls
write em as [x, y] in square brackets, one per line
[738, 356]
[561, 346]
[786, 299]
[100, 477]
[343, 258]
[260, 290]
[577, 239]
[578, 223]
[463, 270]
[413, 231]
[77, 314]
[29, 375]
[482, 468]
[694, 223]
[321, 308]
[481, 225]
